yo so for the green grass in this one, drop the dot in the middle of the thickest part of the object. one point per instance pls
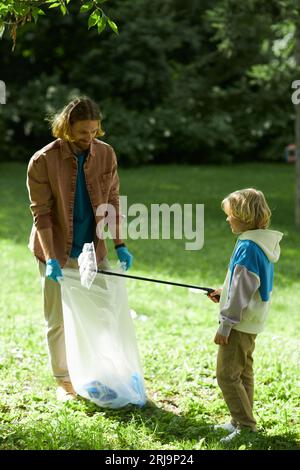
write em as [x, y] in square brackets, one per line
[175, 327]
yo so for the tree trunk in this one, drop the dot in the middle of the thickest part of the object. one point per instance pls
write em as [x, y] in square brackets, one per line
[297, 132]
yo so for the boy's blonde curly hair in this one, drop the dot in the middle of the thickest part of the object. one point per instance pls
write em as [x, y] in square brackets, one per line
[250, 207]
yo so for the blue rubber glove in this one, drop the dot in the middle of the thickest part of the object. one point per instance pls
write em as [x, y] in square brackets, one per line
[53, 270]
[125, 257]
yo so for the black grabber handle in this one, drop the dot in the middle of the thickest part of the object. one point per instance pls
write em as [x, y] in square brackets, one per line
[208, 290]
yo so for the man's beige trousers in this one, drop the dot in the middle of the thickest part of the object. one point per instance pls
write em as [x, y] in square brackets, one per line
[54, 321]
[54, 318]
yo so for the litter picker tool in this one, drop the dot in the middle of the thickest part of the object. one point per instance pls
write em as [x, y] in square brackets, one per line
[88, 270]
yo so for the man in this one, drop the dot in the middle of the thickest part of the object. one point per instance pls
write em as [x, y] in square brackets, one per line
[67, 180]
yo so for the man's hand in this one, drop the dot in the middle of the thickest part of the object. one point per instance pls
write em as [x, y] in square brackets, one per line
[125, 257]
[53, 270]
[220, 339]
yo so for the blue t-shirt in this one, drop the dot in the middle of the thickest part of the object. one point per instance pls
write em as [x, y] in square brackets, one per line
[83, 214]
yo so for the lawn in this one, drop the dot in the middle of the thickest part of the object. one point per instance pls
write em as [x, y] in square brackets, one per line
[175, 327]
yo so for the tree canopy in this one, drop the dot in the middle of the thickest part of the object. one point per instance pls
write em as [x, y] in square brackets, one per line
[189, 81]
[16, 13]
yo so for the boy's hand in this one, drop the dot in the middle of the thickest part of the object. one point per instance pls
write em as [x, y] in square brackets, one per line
[215, 295]
[220, 339]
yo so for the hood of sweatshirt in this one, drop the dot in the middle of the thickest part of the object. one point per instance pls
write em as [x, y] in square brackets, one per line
[267, 240]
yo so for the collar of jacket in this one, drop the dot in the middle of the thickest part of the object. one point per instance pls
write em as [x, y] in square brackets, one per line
[66, 151]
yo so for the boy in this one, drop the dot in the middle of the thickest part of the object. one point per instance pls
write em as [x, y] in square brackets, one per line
[244, 303]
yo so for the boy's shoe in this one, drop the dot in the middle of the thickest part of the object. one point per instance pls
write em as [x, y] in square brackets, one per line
[230, 437]
[246, 432]
[65, 391]
[225, 427]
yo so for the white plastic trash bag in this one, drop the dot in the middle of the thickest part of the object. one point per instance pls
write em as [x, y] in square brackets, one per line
[102, 353]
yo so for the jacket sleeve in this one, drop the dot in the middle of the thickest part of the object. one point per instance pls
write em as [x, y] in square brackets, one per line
[113, 199]
[243, 285]
[40, 194]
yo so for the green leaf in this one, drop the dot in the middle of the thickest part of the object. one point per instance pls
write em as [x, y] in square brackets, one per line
[101, 25]
[94, 18]
[36, 12]
[113, 26]
[55, 5]
[63, 9]
[2, 29]
[86, 7]
[4, 9]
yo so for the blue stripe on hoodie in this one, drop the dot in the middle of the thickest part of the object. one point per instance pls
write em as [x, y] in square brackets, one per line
[247, 253]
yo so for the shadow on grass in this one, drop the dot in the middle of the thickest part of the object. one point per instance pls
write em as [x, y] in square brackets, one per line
[166, 426]
[170, 427]
[262, 441]
[163, 426]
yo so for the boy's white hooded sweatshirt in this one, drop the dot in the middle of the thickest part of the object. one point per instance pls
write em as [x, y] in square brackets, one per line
[247, 290]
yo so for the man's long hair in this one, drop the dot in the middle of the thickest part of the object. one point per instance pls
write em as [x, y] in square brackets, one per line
[79, 109]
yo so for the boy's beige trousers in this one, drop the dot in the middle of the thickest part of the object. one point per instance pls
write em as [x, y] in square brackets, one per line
[235, 377]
